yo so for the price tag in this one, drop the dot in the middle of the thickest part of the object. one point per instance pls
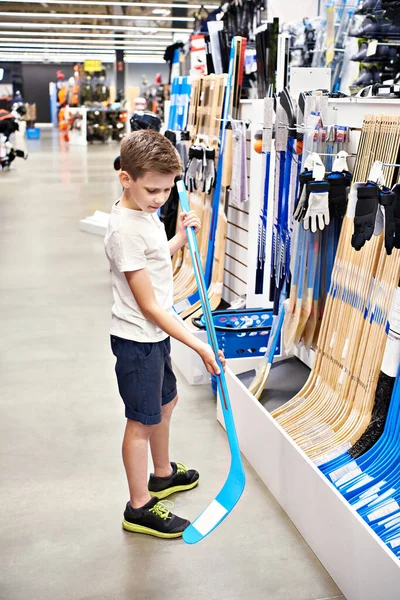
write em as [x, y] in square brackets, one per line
[372, 47]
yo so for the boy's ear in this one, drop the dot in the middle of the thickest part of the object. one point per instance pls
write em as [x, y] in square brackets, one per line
[125, 179]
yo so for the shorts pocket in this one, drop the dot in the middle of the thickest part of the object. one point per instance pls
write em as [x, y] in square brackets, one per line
[114, 345]
[146, 350]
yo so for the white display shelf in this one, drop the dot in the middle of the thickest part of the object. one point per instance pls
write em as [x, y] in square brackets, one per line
[96, 224]
[188, 361]
[354, 556]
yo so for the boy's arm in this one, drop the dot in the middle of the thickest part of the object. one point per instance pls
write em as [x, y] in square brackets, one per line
[184, 220]
[142, 289]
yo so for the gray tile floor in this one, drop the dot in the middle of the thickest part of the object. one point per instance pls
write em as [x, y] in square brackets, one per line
[62, 482]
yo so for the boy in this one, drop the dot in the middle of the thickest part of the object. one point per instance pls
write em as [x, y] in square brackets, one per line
[141, 272]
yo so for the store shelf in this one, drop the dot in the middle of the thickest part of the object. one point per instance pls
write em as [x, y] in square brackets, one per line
[96, 224]
[357, 560]
[191, 366]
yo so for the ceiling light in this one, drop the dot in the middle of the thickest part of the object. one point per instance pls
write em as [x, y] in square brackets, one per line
[151, 30]
[77, 46]
[105, 17]
[33, 56]
[111, 3]
[160, 45]
[163, 39]
[67, 51]
[163, 12]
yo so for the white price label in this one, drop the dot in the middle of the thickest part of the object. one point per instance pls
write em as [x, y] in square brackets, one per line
[364, 502]
[387, 509]
[181, 306]
[372, 48]
[351, 467]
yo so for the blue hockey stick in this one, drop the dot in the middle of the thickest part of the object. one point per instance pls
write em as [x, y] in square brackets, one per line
[233, 487]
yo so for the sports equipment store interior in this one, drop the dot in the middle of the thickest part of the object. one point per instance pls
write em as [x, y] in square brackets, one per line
[278, 314]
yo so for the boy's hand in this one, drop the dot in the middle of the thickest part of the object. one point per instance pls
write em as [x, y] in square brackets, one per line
[185, 220]
[208, 357]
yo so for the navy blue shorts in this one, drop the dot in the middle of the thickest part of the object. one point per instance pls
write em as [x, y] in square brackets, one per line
[145, 377]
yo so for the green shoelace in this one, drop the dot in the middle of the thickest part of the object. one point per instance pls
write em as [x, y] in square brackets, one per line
[181, 468]
[161, 509]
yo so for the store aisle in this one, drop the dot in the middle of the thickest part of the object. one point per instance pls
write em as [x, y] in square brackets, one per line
[63, 486]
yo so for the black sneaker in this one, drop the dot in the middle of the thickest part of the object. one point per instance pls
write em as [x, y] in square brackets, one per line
[180, 480]
[155, 519]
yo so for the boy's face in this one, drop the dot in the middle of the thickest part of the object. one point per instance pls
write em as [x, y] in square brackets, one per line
[148, 193]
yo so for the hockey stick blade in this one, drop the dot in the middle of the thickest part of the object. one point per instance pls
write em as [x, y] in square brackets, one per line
[233, 487]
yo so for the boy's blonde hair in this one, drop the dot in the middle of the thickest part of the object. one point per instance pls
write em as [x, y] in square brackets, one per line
[147, 150]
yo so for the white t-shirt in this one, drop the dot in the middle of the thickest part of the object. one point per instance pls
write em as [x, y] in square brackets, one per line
[137, 240]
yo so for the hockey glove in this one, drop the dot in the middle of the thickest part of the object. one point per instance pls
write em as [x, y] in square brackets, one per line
[396, 215]
[194, 168]
[365, 214]
[301, 207]
[209, 170]
[386, 200]
[317, 215]
[339, 184]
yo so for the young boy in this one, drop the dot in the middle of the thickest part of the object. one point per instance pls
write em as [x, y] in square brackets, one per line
[142, 321]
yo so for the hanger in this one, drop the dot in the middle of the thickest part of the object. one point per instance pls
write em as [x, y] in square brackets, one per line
[313, 162]
[340, 162]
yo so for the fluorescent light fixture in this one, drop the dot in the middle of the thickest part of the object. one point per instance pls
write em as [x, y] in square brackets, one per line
[156, 44]
[43, 47]
[131, 4]
[81, 26]
[163, 12]
[78, 46]
[1, 74]
[40, 57]
[163, 39]
[106, 17]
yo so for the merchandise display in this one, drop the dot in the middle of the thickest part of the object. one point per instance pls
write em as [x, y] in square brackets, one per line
[154, 95]
[105, 123]
[10, 125]
[344, 405]
[334, 410]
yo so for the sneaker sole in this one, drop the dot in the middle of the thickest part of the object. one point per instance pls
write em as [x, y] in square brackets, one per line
[173, 490]
[147, 531]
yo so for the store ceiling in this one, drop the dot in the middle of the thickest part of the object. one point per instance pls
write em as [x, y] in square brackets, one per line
[55, 30]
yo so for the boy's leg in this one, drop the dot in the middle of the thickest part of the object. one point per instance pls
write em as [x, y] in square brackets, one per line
[159, 441]
[135, 450]
[168, 478]
[145, 514]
